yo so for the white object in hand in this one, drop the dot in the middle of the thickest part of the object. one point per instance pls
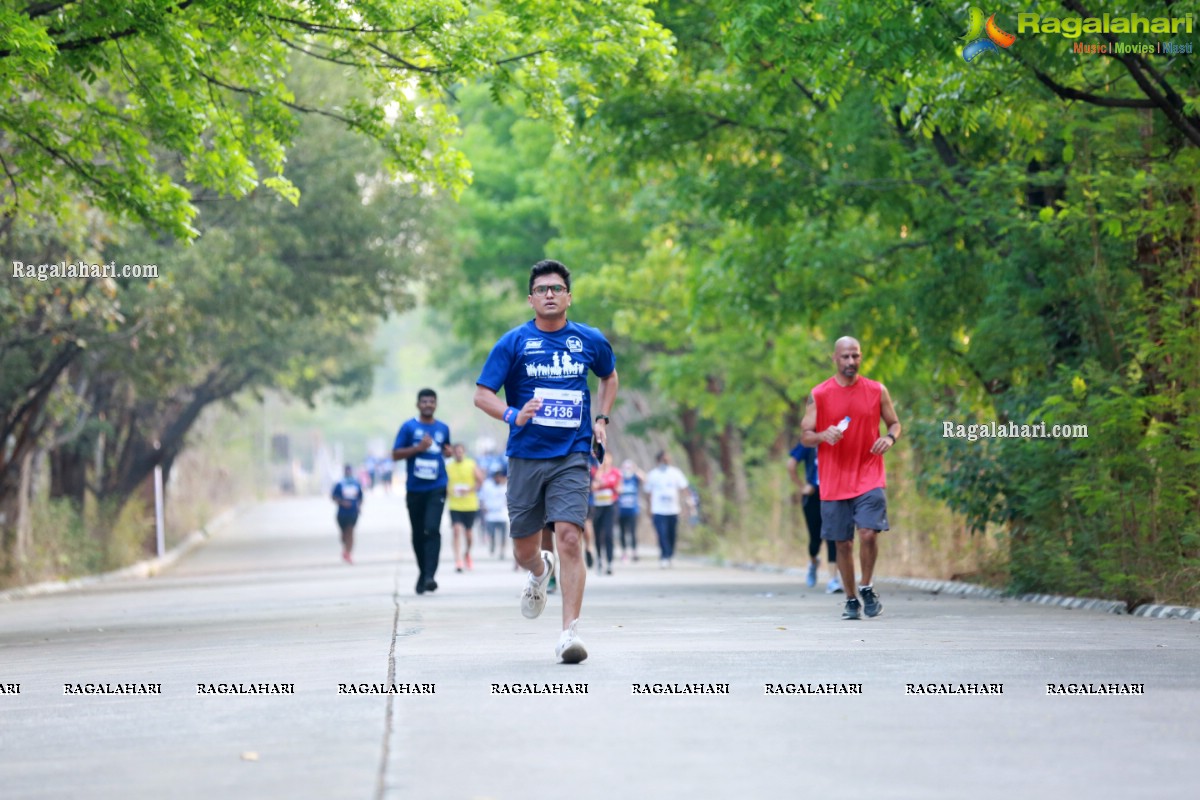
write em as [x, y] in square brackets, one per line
[845, 423]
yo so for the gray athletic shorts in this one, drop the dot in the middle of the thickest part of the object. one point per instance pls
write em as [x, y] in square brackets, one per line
[840, 518]
[542, 491]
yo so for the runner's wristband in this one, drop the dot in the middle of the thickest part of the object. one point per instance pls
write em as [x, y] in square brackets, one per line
[510, 416]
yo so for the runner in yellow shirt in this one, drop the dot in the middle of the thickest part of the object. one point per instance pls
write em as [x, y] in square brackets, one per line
[465, 479]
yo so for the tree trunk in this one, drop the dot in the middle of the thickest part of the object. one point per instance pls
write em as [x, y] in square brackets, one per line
[24, 543]
[693, 445]
[734, 488]
[68, 472]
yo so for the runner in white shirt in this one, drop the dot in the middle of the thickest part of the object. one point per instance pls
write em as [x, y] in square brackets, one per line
[493, 496]
[666, 485]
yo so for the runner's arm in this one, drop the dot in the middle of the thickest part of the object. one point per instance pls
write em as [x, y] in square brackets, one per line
[606, 395]
[808, 426]
[402, 453]
[487, 401]
[793, 474]
[888, 413]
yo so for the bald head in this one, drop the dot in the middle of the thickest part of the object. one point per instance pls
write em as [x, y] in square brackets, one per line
[846, 341]
[847, 355]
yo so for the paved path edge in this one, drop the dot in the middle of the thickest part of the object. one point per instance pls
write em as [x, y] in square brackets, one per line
[961, 588]
[142, 569]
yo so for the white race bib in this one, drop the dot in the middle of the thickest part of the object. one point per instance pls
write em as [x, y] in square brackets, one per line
[665, 498]
[561, 408]
[425, 468]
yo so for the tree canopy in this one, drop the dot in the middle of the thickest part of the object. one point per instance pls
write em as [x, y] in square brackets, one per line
[121, 121]
[1012, 238]
[134, 105]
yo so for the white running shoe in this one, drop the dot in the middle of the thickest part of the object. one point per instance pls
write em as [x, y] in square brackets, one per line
[533, 599]
[570, 647]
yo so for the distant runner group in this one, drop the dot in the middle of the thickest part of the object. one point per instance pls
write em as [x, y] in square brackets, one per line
[559, 485]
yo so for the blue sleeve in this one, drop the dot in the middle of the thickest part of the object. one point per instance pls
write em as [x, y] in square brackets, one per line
[337, 491]
[499, 362]
[605, 362]
[798, 453]
[402, 436]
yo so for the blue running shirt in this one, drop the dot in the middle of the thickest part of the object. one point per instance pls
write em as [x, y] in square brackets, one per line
[631, 487]
[426, 471]
[554, 365]
[351, 490]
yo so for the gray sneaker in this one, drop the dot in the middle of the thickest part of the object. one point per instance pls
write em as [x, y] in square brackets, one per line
[851, 611]
[533, 599]
[570, 647]
[871, 604]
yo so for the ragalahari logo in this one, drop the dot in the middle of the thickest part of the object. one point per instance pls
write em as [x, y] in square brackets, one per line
[984, 37]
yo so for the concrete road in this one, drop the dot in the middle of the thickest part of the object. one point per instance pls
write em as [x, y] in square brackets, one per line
[267, 603]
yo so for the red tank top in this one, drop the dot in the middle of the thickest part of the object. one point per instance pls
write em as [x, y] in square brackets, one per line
[848, 468]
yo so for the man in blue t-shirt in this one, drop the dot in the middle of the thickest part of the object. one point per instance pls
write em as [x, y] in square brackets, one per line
[348, 494]
[542, 367]
[425, 443]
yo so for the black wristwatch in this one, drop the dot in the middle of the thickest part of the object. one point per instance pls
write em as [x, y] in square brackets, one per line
[602, 417]
[892, 435]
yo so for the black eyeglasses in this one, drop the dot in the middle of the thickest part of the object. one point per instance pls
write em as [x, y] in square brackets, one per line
[557, 288]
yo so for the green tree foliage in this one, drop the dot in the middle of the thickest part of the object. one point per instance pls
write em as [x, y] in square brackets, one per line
[1012, 239]
[98, 101]
[502, 226]
[269, 296]
[122, 113]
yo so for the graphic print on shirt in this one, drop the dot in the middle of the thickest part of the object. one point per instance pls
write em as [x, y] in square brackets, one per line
[562, 366]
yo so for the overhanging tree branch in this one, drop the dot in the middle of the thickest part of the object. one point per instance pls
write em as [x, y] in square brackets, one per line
[294, 106]
[404, 62]
[317, 27]
[35, 10]
[1170, 103]
[1068, 93]
[91, 41]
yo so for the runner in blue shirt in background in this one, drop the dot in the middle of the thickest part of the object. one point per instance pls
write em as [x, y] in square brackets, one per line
[810, 494]
[632, 479]
[425, 443]
[542, 367]
[348, 494]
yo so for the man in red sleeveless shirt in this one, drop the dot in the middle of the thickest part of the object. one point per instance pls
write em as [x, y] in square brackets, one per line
[842, 422]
